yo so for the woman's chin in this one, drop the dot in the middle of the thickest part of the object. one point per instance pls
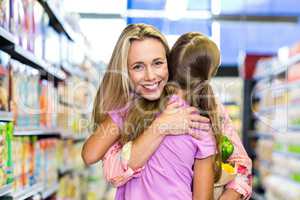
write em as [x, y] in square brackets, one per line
[152, 96]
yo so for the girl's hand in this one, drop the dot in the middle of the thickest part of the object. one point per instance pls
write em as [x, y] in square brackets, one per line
[177, 120]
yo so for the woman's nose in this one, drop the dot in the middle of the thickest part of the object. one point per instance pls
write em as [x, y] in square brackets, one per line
[150, 74]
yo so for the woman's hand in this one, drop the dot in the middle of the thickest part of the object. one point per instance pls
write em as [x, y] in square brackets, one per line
[177, 120]
[230, 194]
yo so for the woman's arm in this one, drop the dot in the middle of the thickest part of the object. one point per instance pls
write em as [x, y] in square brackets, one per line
[242, 184]
[100, 141]
[203, 183]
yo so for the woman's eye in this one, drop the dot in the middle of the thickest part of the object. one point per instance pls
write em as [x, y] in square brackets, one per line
[138, 67]
[158, 63]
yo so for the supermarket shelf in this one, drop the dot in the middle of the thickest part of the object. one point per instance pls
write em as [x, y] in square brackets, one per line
[39, 132]
[74, 71]
[283, 87]
[70, 105]
[47, 192]
[230, 103]
[65, 170]
[6, 38]
[27, 192]
[260, 135]
[6, 116]
[277, 108]
[277, 67]
[28, 58]
[256, 196]
[74, 137]
[288, 154]
[79, 138]
[4, 190]
[56, 20]
[295, 128]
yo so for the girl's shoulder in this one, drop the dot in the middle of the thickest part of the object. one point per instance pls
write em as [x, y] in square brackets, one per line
[118, 115]
[176, 98]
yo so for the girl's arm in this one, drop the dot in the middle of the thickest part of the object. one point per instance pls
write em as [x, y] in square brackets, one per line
[100, 141]
[242, 184]
[203, 183]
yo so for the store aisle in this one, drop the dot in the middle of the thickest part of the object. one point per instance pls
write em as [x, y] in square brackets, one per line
[53, 54]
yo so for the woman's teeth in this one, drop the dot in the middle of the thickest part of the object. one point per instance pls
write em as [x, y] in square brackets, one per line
[151, 86]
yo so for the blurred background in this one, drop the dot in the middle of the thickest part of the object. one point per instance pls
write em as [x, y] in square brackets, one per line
[52, 57]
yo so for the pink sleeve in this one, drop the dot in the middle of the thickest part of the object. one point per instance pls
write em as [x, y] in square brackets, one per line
[206, 146]
[243, 181]
[115, 168]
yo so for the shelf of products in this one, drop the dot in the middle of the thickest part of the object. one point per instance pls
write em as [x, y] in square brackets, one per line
[6, 38]
[41, 132]
[27, 192]
[44, 103]
[6, 189]
[18, 53]
[270, 67]
[56, 20]
[277, 127]
[65, 169]
[6, 116]
[47, 192]
[74, 71]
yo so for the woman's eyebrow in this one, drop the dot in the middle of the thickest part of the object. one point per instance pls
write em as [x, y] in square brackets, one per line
[138, 62]
[156, 59]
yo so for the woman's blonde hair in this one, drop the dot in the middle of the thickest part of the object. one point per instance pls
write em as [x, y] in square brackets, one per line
[114, 90]
[193, 61]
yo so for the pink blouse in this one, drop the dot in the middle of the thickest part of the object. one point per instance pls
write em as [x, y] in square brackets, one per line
[117, 171]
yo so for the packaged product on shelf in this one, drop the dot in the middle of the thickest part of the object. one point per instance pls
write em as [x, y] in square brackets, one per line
[14, 73]
[19, 93]
[51, 165]
[6, 164]
[4, 14]
[29, 26]
[33, 98]
[52, 46]
[4, 76]
[3, 153]
[41, 21]
[64, 107]
[17, 160]
[48, 104]
[44, 120]
[25, 95]
[17, 21]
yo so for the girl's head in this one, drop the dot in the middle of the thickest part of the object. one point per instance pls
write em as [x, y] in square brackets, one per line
[193, 58]
[138, 64]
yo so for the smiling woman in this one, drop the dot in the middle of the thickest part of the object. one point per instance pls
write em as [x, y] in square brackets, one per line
[148, 71]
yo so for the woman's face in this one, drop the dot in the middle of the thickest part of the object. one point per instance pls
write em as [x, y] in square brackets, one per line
[147, 67]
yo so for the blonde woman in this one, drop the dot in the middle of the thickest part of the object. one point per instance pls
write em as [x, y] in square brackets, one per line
[117, 94]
